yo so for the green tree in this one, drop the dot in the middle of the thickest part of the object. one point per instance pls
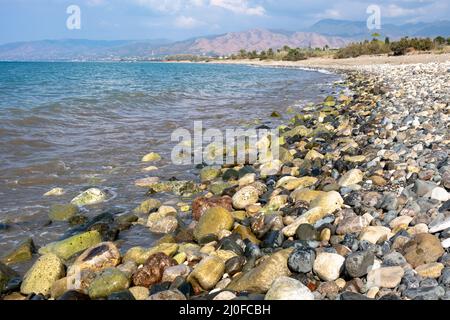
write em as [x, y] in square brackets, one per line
[448, 41]
[270, 53]
[439, 40]
[242, 54]
[387, 41]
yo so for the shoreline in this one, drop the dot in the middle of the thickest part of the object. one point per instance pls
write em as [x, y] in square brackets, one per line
[363, 182]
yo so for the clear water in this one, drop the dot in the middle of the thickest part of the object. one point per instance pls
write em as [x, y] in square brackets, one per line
[75, 125]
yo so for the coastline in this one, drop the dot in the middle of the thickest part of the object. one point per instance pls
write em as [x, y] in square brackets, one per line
[362, 183]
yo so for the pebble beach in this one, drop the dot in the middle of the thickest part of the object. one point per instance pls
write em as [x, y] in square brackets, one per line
[356, 208]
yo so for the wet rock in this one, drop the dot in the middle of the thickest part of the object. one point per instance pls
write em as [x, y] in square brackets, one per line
[6, 274]
[209, 174]
[389, 277]
[40, 278]
[99, 257]
[423, 249]
[171, 273]
[234, 265]
[62, 212]
[352, 177]
[320, 207]
[285, 288]
[212, 222]
[207, 273]
[147, 206]
[169, 295]
[89, 197]
[301, 260]
[151, 157]
[328, 266]
[180, 188]
[73, 245]
[153, 270]
[260, 279]
[140, 255]
[164, 221]
[21, 253]
[357, 264]
[55, 192]
[108, 282]
[245, 197]
[203, 204]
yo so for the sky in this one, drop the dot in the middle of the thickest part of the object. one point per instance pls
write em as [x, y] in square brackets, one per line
[27, 20]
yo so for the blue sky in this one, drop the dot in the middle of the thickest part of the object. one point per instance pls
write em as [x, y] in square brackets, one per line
[23, 20]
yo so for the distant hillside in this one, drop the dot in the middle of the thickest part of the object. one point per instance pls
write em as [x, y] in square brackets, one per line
[358, 30]
[331, 33]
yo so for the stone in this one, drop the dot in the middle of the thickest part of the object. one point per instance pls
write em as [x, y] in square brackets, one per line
[62, 212]
[202, 204]
[40, 278]
[6, 274]
[394, 259]
[180, 188]
[107, 282]
[402, 221]
[305, 195]
[423, 188]
[171, 273]
[151, 157]
[147, 182]
[328, 266]
[290, 183]
[139, 255]
[245, 197]
[168, 295]
[68, 247]
[55, 192]
[430, 270]
[153, 270]
[249, 178]
[375, 234]
[97, 258]
[208, 174]
[140, 293]
[439, 225]
[301, 260]
[352, 177]
[440, 194]
[285, 288]
[212, 222]
[225, 296]
[73, 295]
[313, 155]
[306, 232]
[234, 265]
[388, 277]
[147, 206]
[261, 278]
[246, 233]
[425, 293]
[423, 249]
[207, 273]
[270, 168]
[163, 222]
[445, 277]
[89, 197]
[358, 264]
[378, 181]
[21, 253]
[323, 205]
[353, 224]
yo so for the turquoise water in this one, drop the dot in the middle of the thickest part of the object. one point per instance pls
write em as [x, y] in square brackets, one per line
[75, 125]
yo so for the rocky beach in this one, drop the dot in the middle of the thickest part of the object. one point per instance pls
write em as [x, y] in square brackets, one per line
[356, 208]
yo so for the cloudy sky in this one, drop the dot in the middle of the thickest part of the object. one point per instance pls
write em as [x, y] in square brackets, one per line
[22, 20]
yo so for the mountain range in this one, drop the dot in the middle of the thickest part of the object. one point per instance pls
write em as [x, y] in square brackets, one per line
[331, 33]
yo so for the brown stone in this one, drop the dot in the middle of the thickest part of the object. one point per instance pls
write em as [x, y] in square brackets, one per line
[202, 204]
[422, 249]
[153, 270]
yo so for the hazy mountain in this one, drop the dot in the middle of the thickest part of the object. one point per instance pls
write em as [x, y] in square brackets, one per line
[332, 33]
[358, 29]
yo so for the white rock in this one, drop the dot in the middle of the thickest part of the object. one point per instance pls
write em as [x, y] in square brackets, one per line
[89, 197]
[446, 243]
[374, 234]
[389, 277]
[285, 288]
[55, 192]
[328, 266]
[354, 176]
[439, 225]
[225, 296]
[439, 194]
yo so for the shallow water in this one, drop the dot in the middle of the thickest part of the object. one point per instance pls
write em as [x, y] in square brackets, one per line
[76, 125]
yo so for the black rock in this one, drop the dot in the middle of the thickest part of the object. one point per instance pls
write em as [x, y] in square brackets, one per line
[246, 170]
[445, 206]
[357, 264]
[348, 295]
[208, 239]
[159, 287]
[121, 296]
[252, 250]
[428, 293]
[183, 286]
[13, 285]
[73, 295]
[302, 260]
[306, 232]
[235, 265]
[230, 174]
[273, 239]
[390, 296]
[230, 245]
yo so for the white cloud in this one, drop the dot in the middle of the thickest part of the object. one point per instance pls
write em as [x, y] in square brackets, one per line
[187, 22]
[394, 11]
[239, 6]
[329, 14]
[94, 3]
[170, 5]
